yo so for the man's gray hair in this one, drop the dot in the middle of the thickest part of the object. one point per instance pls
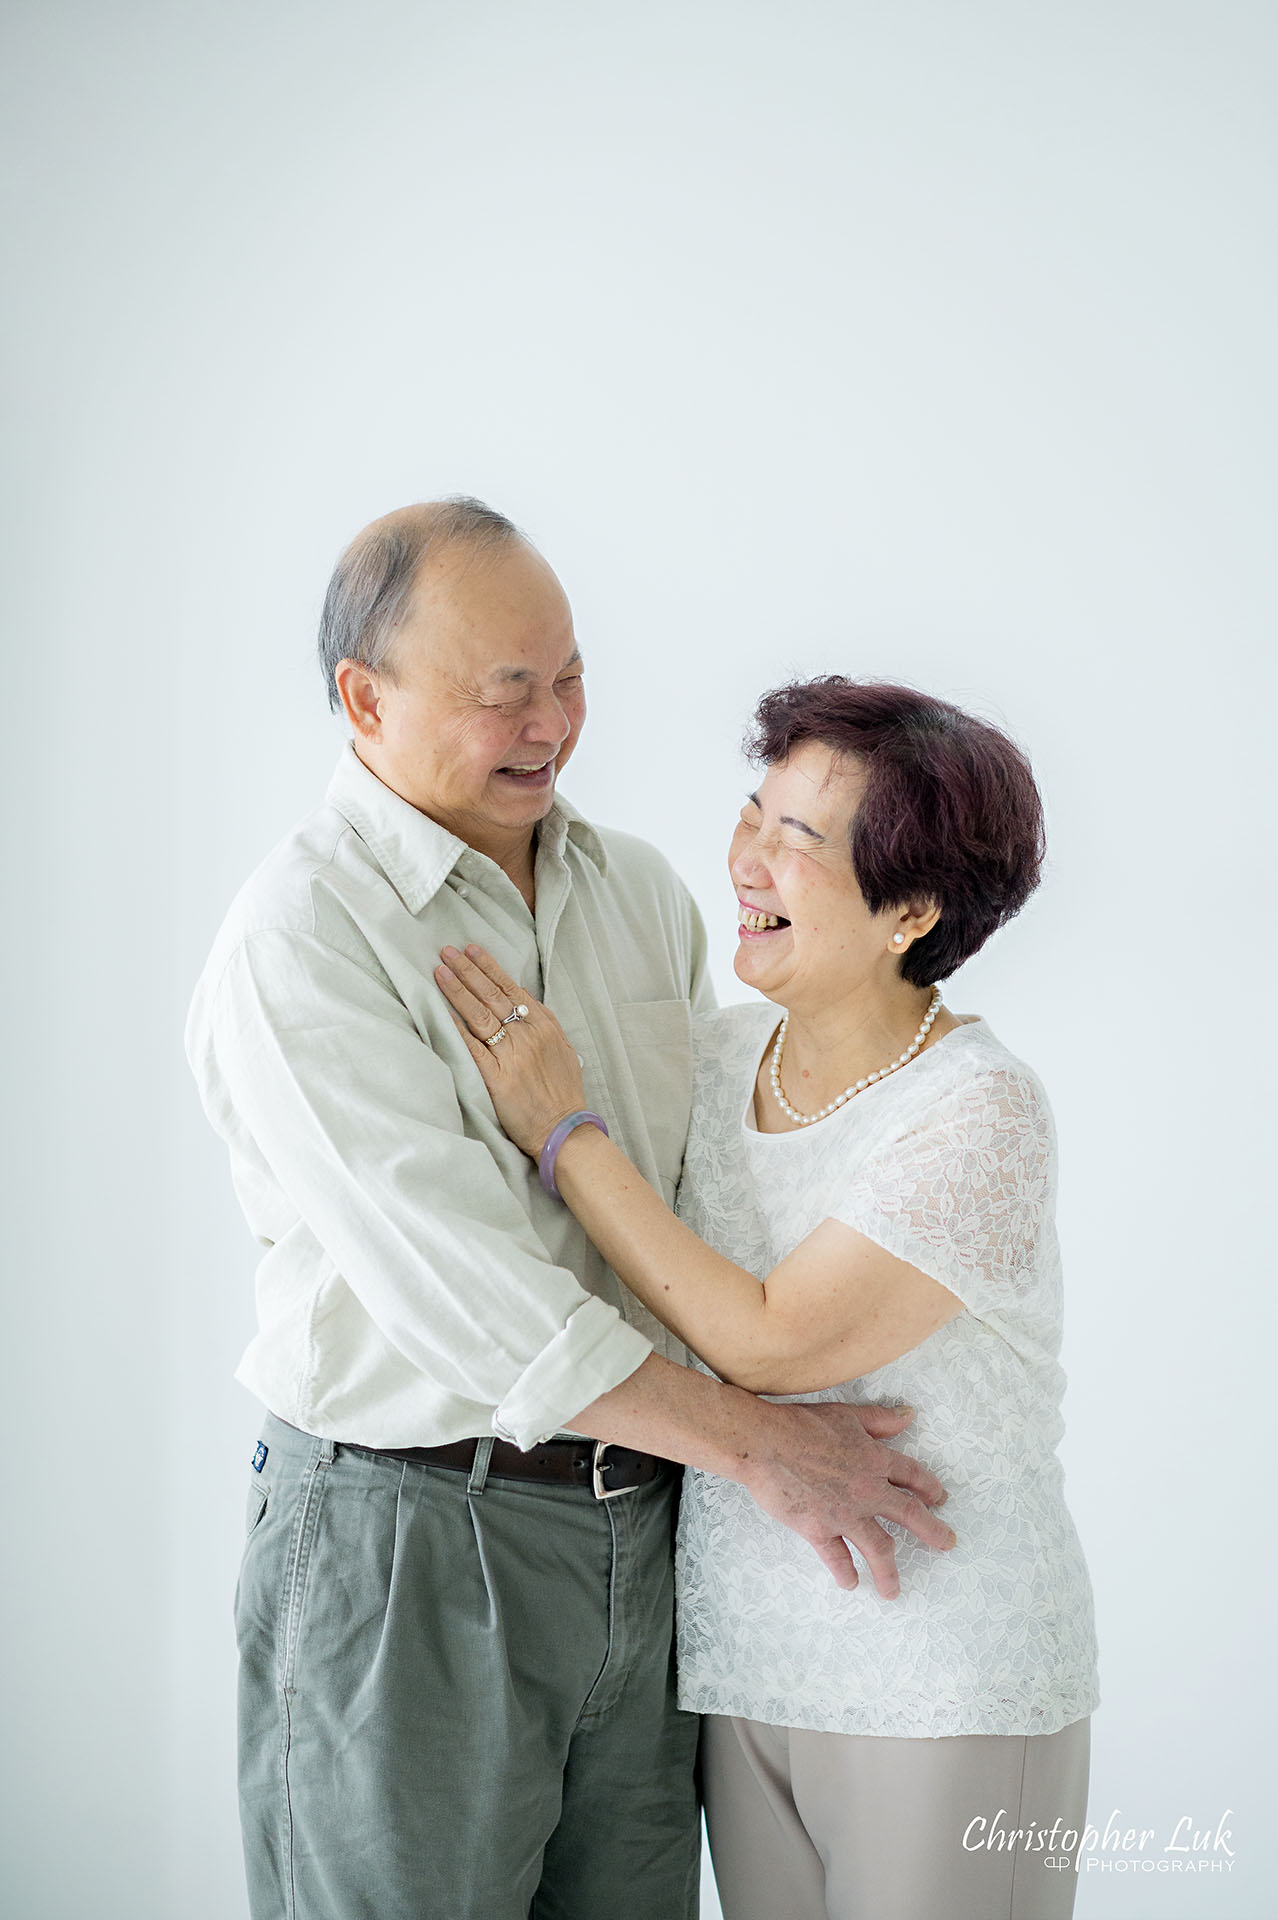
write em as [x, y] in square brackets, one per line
[372, 583]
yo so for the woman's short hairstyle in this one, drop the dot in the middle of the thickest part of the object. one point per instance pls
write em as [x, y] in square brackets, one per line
[950, 812]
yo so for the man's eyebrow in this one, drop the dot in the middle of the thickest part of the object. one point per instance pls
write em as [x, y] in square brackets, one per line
[788, 820]
[519, 676]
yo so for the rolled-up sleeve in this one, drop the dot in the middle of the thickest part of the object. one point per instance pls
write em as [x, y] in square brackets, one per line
[358, 1121]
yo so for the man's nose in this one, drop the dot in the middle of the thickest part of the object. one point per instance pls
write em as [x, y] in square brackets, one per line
[547, 722]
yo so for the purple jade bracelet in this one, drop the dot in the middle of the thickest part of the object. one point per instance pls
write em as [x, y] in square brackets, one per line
[555, 1139]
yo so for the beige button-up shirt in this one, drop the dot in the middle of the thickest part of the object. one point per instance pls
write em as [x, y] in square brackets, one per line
[418, 1286]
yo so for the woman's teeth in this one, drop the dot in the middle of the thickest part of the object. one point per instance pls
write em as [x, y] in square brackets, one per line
[756, 922]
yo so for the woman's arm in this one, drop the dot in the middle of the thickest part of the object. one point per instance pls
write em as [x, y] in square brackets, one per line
[837, 1307]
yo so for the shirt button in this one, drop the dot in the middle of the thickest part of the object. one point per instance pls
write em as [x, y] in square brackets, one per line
[464, 892]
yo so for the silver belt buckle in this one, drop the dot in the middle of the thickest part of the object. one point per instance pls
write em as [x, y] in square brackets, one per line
[597, 1465]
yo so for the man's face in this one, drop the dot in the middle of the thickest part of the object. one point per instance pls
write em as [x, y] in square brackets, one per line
[486, 700]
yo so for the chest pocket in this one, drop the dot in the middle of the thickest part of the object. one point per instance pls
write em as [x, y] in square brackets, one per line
[657, 1036]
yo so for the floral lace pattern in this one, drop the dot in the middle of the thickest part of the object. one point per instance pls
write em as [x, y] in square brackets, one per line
[950, 1165]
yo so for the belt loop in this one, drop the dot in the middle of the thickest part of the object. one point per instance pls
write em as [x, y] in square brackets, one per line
[327, 1448]
[479, 1472]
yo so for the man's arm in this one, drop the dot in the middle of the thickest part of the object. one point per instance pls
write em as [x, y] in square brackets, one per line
[815, 1468]
[318, 1061]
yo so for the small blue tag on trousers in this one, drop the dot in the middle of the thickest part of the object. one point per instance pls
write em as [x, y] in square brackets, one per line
[259, 1457]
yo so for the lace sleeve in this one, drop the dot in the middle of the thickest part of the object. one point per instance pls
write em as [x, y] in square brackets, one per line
[967, 1195]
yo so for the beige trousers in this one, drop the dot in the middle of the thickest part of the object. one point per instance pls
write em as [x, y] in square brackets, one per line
[832, 1826]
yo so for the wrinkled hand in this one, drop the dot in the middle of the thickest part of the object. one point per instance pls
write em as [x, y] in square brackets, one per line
[828, 1479]
[532, 1073]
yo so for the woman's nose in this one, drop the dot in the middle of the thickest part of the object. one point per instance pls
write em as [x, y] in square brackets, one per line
[749, 868]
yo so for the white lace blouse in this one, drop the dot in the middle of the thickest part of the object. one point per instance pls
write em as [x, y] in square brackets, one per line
[950, 1165]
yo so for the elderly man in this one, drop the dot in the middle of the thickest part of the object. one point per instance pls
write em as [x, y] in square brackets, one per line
[454, 1613]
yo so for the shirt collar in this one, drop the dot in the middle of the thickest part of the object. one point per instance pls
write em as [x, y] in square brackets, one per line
[563, 822]
[414, 852]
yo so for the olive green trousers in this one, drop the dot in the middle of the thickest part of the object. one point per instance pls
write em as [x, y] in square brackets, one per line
[457, 1697]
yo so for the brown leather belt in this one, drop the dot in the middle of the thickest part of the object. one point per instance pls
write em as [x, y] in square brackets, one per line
[606, 1470]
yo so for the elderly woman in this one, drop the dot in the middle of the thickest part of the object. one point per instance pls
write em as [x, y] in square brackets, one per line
[866, 1213]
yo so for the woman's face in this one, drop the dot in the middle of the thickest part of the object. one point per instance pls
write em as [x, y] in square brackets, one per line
[791, 865]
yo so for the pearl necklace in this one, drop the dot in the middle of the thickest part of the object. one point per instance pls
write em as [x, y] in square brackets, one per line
[807, 1119]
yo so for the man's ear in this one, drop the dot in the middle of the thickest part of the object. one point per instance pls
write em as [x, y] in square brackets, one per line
[361, 699]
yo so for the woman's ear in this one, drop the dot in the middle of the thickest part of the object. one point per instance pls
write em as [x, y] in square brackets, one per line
[911, 923]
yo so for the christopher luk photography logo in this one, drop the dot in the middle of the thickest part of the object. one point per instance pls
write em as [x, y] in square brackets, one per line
[1183, 1845]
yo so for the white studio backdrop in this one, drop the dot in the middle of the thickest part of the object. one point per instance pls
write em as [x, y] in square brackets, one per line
[929, 341]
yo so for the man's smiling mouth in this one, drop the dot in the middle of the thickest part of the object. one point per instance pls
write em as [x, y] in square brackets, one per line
[530, 774]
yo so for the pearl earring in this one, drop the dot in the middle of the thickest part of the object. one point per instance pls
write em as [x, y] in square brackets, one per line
[898, 939]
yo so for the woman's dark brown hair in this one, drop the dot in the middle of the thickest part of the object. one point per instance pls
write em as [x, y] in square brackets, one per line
[950, 812]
